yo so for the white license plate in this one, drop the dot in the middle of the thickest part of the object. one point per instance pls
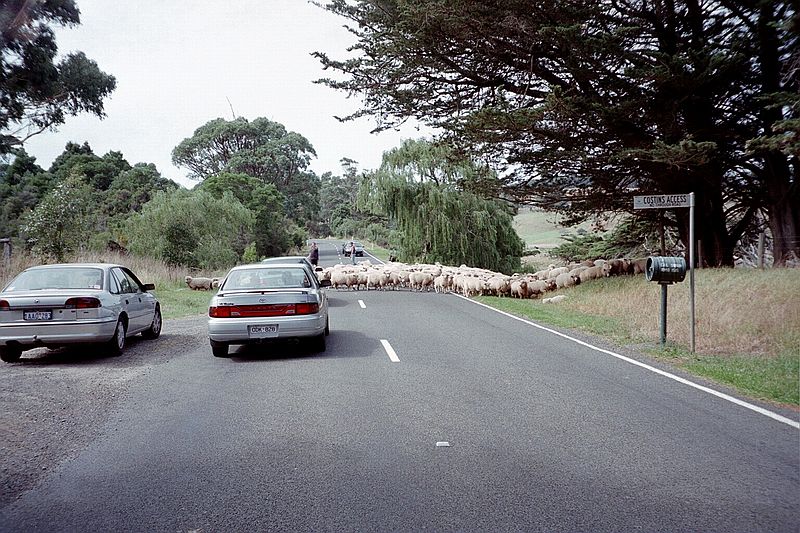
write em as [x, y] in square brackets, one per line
[37, 315]
[270, 330]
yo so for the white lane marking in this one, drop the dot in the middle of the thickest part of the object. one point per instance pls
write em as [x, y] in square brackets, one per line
[361, 303]
[390, 351]
[679, 379]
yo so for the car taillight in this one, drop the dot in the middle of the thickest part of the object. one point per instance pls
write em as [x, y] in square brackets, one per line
[4, 305]
[307, 309]
[82, 303]
[263, 310]
[219, 312]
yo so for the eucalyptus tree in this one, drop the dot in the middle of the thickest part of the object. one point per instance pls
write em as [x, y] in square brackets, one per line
[582, 103]
[424, 189]
[37, 91]
[259, 148]
[23, 184]
[63, 221]
[99, 172]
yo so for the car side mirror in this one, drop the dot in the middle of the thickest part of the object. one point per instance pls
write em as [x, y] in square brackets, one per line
[325, 283]
[149, 286]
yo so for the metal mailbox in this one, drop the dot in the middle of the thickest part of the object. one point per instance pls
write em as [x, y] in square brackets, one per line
[665, 269]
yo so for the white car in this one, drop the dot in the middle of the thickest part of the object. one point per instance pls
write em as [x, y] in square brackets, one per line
[73, 303]
[265, 301]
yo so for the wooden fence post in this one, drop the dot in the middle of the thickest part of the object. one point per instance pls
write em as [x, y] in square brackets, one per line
[6, 251]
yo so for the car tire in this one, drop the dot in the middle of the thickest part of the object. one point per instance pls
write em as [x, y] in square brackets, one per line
[155, 327]
[10, 354]
[219, 349]
[327, 327]
[117, 343]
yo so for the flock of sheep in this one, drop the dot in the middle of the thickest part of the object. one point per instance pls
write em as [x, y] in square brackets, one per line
[464, 280]
[470, 281]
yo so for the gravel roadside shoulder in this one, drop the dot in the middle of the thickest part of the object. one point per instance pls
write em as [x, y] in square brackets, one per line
[55, 402]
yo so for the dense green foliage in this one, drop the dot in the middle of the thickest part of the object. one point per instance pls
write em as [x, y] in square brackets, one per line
[36, 91]
[62, 221]
[111, 189]
[273, 232]
[262, 149]
[192, 228]
[633, 237]
[582, 103]
[436, 219]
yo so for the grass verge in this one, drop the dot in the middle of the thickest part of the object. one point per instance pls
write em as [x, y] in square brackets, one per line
[178, 301]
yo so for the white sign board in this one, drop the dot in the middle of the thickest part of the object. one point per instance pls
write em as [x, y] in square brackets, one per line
[662, 201]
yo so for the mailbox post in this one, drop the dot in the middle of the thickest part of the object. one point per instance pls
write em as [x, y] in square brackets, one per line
[665, 271]
[670, 201]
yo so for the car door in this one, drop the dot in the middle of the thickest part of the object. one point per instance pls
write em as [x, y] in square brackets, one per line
[130, 301]
[145, 301]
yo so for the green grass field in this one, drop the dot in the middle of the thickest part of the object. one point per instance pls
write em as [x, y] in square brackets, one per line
[542, 230]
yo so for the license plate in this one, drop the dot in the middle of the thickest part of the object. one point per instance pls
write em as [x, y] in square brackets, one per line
[270, 330]
[37, 315]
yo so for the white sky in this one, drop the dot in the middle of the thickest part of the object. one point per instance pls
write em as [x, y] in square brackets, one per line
[176, 62]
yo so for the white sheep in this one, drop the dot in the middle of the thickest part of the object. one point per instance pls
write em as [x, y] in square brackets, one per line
[591, 273]
[199, 284]
[554, 299]
[567, 280]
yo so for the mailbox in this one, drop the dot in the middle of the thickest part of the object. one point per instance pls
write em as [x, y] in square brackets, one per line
[665, 269]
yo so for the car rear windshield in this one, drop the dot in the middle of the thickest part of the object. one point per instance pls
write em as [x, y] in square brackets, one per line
[57, 278]
[267, 278]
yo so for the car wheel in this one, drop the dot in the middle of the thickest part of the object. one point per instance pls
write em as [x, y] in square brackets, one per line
[155, 327]
[117, 343]
[10, 354]
[219, 349]
[327, 327]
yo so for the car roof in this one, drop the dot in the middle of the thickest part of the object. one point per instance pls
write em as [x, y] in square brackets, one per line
[285, 259]
[270, 266]
[76, 265]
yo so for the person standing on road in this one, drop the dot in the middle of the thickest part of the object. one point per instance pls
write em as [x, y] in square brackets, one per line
[313, 255]
[353, 252]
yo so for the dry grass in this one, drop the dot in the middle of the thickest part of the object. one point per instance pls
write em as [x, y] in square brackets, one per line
[738, 311]
[148, 270]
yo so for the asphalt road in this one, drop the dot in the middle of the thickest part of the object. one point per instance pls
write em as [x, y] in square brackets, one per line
[544, 434]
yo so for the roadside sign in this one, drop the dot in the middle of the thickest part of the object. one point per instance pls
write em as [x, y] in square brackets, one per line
[669, 201]
[662, 201]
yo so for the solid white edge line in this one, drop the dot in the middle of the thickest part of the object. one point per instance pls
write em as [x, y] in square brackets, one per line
[390, 351]
[362, 304]
[679, 379]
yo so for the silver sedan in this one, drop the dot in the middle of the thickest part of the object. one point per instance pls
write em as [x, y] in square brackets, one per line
[57, 305]
[264, 301]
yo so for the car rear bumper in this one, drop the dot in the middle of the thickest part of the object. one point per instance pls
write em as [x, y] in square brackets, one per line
[235, 330]
[28, 336]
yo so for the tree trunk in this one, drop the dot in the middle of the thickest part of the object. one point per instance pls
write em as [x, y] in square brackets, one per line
[710, 226]
[784, 209]
[782, 192]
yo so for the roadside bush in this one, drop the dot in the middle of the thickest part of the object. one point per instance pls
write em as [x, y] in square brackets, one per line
[191, 228]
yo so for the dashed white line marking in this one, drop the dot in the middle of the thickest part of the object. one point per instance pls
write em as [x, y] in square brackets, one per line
[390, 351]
[737, 401]
[362, 304]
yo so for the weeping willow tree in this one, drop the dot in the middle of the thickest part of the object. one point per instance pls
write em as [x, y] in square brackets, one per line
[425, 190]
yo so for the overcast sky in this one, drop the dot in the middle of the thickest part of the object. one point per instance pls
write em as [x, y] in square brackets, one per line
[178, 62]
